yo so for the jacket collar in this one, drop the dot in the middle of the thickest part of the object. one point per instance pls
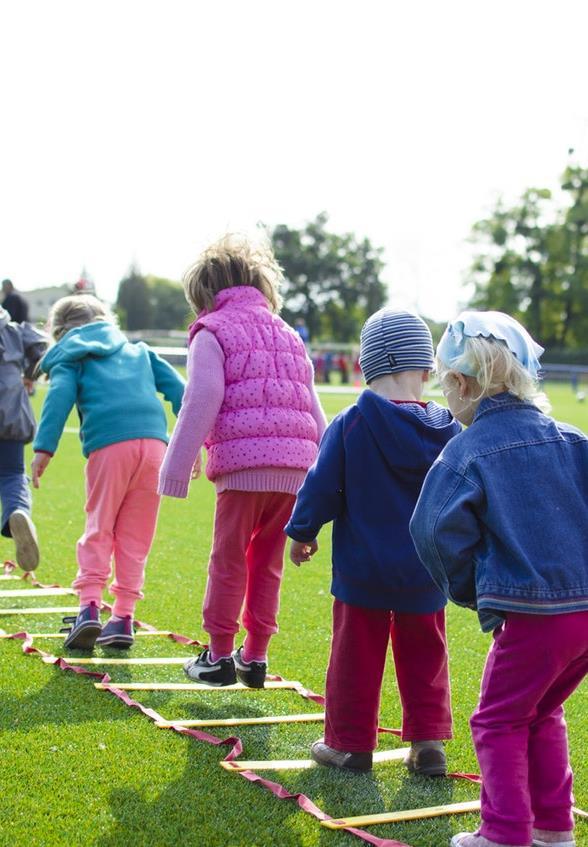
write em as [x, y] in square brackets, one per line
[499, 402]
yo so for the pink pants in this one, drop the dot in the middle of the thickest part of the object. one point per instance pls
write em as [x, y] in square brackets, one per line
[519, 731]
[356, 667]
[246, 564]
[121, 506]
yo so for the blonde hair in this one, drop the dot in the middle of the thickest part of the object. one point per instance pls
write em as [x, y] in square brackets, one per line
[76, 310]
[233, 260]
[495, 368]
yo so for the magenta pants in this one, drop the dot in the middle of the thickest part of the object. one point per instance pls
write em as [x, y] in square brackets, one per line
[519, 730]
[245, 569]
[121, 516]
[356, 667]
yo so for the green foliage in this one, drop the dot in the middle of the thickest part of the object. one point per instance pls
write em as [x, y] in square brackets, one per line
[332, 281]
[133, 304]
[532, 262]
[151, 302]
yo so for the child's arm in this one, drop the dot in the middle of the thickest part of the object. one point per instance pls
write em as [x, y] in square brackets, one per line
[203, 398]
[167, 380]
[34, 344]
[59, 402]
[446, 532]
[321, 497]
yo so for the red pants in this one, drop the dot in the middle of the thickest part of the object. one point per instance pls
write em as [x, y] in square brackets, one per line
[519, 730]
[356, 667]
[245, 568]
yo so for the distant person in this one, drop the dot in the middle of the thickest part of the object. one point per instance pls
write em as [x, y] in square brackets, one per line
[302, 330]
[250, 399]
[123, 430]
[371, 464]
[14, 303]
[21, 347]
[502, 527]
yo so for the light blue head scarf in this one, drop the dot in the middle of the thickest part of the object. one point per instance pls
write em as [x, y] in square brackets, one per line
[489, 325]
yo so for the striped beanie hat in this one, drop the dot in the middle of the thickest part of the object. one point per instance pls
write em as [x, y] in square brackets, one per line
[392, 341]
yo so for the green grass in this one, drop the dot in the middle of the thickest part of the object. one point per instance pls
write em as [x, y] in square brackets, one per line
[78, 767]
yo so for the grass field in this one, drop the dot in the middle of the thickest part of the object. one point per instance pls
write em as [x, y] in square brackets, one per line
[78, 767]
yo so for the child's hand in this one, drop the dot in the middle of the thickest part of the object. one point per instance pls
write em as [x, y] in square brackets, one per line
[38, 465]
[197, 466]
[301, 551]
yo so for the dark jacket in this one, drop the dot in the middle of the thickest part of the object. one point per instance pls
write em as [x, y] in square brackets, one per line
[372, 461]
[502, 520]
[21, 347]
[16, 306]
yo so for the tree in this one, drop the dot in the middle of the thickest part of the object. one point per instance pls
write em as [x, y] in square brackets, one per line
[169, 305]
[331, 281]
[133, 301]
[532, 262]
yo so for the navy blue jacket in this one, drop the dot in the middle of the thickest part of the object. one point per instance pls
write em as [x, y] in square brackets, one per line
[502, 520]
[371, 464]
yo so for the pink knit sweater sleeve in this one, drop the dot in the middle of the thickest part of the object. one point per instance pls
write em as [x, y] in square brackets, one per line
[317, 412]
[203, 398]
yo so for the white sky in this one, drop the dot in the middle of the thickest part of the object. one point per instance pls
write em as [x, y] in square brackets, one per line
[139, 130]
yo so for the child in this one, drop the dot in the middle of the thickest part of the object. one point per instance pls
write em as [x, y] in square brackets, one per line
[502, 526]
[250, 399]
[113, 384]
[21, 347]
[371, 465]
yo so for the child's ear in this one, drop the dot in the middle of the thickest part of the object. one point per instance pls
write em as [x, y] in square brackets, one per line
[426, 376]
[465, 387]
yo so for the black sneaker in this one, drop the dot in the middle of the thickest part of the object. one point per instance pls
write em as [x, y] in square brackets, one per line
[117, 634]
[85, 629]
[251, 674]
[216, 674]
[325, 755]
[427, 758]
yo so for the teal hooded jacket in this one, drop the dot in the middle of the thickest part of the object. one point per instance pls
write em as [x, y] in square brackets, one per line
[113, 385]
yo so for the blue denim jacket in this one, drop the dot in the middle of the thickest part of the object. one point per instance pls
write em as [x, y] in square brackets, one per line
[502, 520]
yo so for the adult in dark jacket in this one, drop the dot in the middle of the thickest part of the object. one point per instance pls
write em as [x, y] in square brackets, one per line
[372, 461]
[14, 303]
[21, 347]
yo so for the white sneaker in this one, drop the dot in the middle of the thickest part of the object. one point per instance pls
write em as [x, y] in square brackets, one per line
[25, 540]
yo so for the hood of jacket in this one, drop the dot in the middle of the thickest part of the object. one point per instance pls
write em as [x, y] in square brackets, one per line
[98, 339]
[409, 436]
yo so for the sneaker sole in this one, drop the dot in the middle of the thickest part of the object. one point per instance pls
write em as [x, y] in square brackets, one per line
[433, 770]
[121, 642]
[84, 638]
[25, 539]
[207, 680]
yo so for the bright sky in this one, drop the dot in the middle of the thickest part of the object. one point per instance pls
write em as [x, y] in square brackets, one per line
[135, 130]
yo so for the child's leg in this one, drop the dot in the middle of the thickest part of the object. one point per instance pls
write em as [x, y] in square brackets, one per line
[265, 564]
[135, 524]
[529, 656]
[354, 677]
[550, 775]
[108, 474]
[234, 519]
[420, 657]
[14, 487]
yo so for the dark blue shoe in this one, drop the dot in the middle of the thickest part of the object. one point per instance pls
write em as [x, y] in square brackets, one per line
[117, 634]
[85, 629]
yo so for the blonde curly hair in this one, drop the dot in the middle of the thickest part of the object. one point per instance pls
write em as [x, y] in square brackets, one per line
[495, 368]
[76, 310]
[233, 260]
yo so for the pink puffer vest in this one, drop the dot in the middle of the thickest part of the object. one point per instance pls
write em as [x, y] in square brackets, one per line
[265, 418]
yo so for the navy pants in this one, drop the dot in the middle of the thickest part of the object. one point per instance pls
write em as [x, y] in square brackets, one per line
[14, 485]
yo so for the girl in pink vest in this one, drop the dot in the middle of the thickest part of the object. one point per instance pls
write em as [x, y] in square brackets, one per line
[250, 400]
